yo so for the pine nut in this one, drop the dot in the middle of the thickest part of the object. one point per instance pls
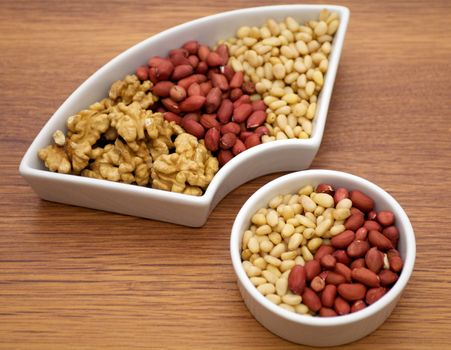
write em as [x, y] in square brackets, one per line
[269, 276]
[286, 265]
[277, 250]
[281, 286]
[266, 288]
[291, 299]
[257, 281]
[272, 260]
[274, 298]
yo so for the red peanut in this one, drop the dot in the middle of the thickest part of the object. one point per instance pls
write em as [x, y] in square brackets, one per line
[358, 249]
[328, 261]
[252, 140]
[195, 90]
[372, 225]
[379, 240]
[209, 121]
[386, 218]
[227, 140]
[387, 277]
[223, 52]
[237, 80]
[361, 201]
[354, 222]
[142, 73]
[297, 279]
[352, 292]
[203, 52]
[162, 88]
[225, 111]
[242, 112]
[341, 306]
[213, 100]
[192, 104]
[358, 305]
[340, 193]
[325, 188]
[365, 276]
[328, 295]
[394, 260]
[238, 147]
[374, 260]
[171, 105]
[323, 250]
[392, 233]
[342, 257]
[191, 46]
[230, 127]
[343, 270]
[326, 312]
[312, 269]
[317, 284]
[343, 239]
[177, 93]
[361, 234]
[256, 119]
[360, 262]
[262, 130]
[194, 128]
[229, 72]
[224, 156]
[312, 300]
[213, 59]
[172, 117]
[212, 139]
[374, 294]
[220, 81]
[335, 278]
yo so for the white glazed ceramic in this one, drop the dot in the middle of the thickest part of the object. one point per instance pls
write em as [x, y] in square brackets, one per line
[150, 203]
[318, 331]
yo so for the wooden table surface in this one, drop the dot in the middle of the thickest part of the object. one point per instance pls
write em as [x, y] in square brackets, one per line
[75, 278]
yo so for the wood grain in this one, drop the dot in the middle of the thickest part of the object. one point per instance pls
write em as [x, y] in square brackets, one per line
[74, 278]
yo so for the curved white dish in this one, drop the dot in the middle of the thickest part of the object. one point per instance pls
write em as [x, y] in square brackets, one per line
[177, 208]
[321, 331]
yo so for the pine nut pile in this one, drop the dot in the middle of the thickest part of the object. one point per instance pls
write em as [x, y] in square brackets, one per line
[287, 62]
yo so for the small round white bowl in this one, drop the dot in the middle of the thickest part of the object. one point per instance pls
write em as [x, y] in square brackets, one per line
[321, 331]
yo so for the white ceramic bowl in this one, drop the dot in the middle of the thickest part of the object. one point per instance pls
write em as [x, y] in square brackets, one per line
[166, 206]
[321, 331]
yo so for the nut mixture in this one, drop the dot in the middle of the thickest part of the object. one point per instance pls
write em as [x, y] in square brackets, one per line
[119, 139]
[322, 252]
[208, 99]
[287, 62]
[259, 86]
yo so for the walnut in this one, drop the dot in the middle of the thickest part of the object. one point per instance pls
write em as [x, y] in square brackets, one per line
[118, 162]
[131, 89]
[84, 130]
[139, 144]
[189, 170]
[59, 138]
[55, 159]
[160, 132]
[129, 122]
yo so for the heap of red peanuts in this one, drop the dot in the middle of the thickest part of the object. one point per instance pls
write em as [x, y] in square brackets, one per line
[200, 92]
[358, 267]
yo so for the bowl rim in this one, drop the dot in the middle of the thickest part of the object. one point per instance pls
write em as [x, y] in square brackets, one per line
[389, 297]
[27, 170]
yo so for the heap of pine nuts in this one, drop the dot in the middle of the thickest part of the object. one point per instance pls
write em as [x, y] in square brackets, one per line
[287, 233]
[286, 62]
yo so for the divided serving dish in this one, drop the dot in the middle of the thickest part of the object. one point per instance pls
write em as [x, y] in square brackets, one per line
[282, 155]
